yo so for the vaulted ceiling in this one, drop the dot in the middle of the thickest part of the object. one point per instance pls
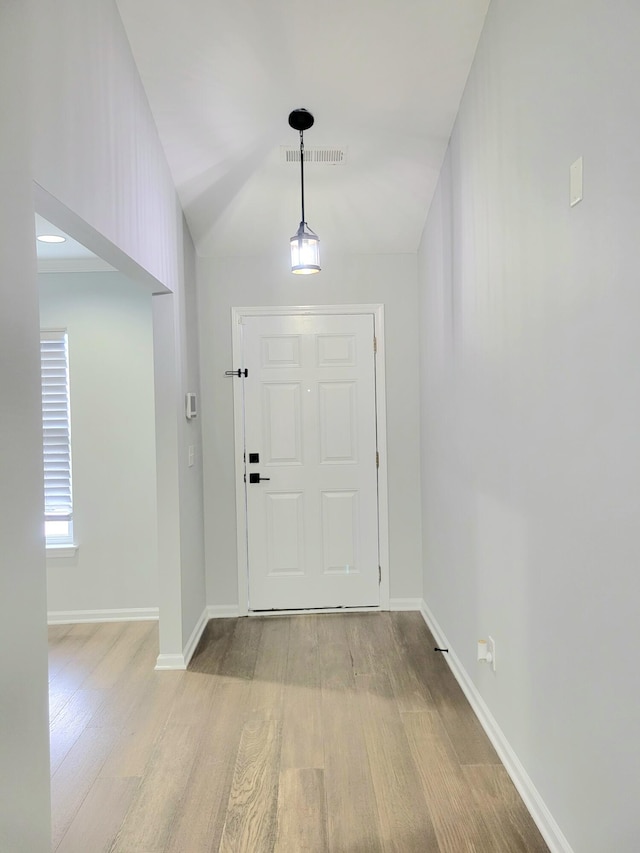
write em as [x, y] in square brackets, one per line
[383, 79]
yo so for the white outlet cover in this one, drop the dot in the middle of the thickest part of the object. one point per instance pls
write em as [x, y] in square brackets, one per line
[575, 181]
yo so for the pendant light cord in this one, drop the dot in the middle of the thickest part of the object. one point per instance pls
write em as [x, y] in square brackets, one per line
[302, 171]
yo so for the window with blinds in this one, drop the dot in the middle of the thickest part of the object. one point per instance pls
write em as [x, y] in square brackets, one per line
[58, 505]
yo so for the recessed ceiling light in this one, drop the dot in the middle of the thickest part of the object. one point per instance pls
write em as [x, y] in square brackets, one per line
[51, 238]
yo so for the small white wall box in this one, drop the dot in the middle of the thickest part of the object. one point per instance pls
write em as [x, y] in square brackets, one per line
[190, 405]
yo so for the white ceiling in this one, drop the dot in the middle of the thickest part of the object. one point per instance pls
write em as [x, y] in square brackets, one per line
[69, 250]
[383, 79]
[69, 256]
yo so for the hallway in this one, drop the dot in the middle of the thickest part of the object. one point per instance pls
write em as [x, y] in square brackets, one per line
[340, 733]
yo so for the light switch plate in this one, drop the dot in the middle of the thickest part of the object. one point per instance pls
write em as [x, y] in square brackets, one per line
[575, 181]
[190, 405]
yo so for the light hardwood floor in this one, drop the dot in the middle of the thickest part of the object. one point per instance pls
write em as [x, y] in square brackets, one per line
[342, 733]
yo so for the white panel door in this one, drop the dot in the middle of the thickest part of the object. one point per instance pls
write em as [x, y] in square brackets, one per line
[310, 416]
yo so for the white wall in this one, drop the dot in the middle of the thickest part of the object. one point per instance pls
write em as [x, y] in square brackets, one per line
[531, 402]
[24, 741]
[388, 279]
[96, 148]
[99, 159]
[108, 320]
[180, 498]
[192, 555]
[106, 181]
[83, 142]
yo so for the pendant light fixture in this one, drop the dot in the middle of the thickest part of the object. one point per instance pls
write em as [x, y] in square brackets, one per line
[305, 245]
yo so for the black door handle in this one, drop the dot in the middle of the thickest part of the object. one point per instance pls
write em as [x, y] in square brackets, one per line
[256, 478]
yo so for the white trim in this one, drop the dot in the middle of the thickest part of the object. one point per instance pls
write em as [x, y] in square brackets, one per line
[381, 425]
[194, 639]
[405, 604]
[536, 806]
[58, 552]
[280, 310]
[170, 662]
[129, 614]
[164, 661]
[223, 611]
[238, 422]
[237, 315]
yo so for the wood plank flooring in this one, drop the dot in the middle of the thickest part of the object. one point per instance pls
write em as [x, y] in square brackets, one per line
[338, 733]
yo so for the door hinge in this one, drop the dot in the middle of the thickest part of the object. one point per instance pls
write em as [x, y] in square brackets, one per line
[375, 344]
[379, 574]
[377, 459]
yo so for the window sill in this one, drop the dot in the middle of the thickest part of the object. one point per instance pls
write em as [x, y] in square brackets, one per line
[59, 551]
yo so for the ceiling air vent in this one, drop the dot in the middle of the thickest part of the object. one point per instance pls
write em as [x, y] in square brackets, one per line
[325, 155]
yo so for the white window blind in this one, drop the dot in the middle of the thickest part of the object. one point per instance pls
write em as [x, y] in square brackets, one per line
[56, 427]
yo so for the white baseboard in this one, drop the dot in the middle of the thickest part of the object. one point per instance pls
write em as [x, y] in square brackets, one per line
[170, 662]
[129, 614]
[405, 604]
[182, 661]
[223, 611]
[536, 806]
[194, 639]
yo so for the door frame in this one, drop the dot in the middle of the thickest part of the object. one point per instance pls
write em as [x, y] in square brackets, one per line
[237, 318]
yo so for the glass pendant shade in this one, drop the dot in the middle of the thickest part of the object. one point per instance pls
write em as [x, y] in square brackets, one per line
[305, 245]
[305, 251]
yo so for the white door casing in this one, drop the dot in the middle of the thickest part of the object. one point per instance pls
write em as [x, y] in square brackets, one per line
[313, 535]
